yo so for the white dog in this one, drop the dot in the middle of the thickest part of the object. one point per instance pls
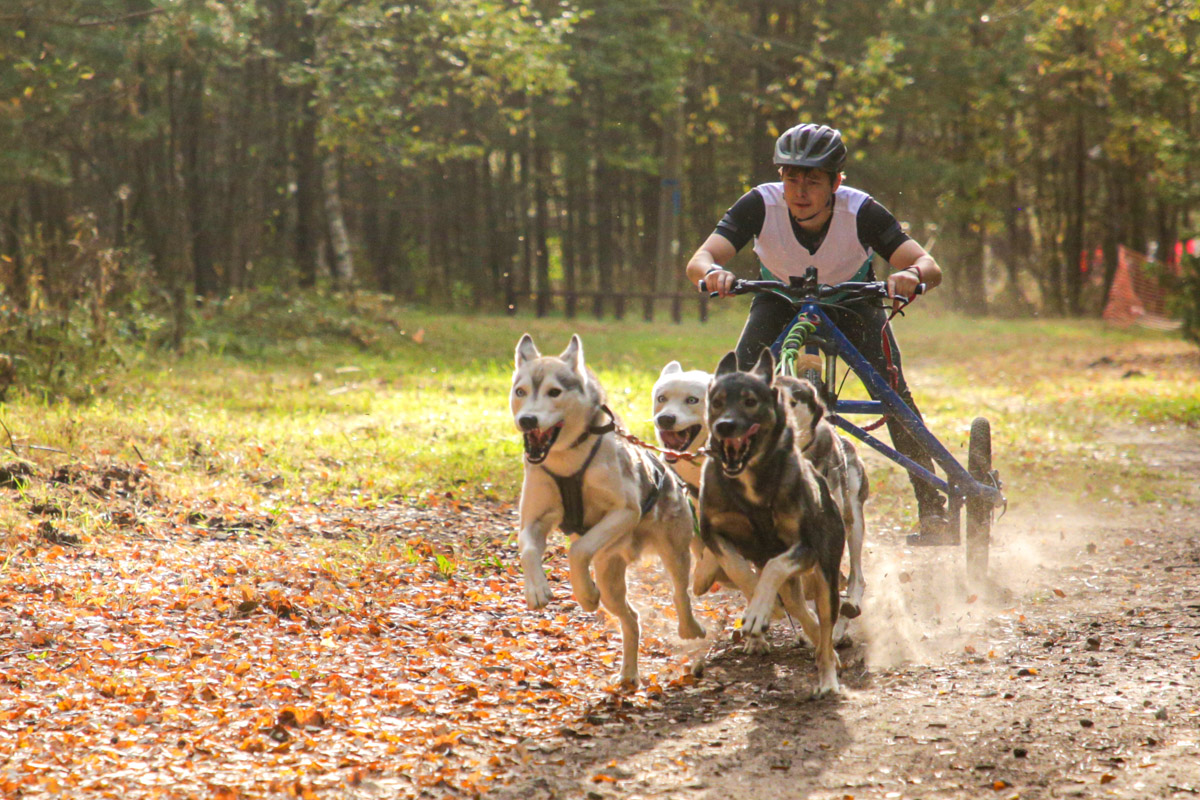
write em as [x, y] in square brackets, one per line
[612, 498]
[679, 420]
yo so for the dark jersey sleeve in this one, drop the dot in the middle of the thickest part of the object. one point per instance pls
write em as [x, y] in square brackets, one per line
[744, 219]
[879, 230]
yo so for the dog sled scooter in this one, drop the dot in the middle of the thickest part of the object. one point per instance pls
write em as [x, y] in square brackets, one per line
[976, 487]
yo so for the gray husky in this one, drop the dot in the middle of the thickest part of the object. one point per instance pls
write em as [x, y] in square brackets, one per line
[836, 458]
[763, 504]
[614, 500]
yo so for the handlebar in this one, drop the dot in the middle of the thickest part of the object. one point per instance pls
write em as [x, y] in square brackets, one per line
[807, 288]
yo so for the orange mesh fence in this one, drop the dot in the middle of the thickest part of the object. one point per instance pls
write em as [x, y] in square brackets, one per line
[1137, 295]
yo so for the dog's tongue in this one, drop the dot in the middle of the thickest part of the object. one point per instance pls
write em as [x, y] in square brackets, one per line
[675, 440]
[734, 448]
[540, 436]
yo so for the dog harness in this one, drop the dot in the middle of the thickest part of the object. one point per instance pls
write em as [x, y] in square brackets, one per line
[570, 488]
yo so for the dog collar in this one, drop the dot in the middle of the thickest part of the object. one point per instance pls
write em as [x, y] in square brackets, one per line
[597, 430]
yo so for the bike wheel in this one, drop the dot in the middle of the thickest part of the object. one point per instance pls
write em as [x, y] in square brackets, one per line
[979, 510]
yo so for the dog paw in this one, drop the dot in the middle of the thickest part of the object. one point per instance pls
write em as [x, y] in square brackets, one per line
[584, 588]
[756, 645]
[689, 628]
[588, 597]
[757, 619]
[850, 609]
[628, 682]
[537, 593]
[826, 690]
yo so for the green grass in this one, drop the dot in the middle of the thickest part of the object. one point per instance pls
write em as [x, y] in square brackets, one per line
[280, 400]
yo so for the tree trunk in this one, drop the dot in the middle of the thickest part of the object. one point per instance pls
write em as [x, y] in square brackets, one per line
[308, 167]
[524, 199]
[343, 257]
[196, 176]
[539, 182]
[18, 288]
[1073, 242]
[571, 223]
[605, 244]
[670, 198]
[1015, 247]
[509, 234]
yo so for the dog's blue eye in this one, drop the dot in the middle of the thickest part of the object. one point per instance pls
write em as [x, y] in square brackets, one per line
[691, 401]
[519, 392]
[554, 392]
[662, 398]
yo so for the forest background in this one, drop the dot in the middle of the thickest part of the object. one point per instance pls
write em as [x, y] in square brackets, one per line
[480, 154]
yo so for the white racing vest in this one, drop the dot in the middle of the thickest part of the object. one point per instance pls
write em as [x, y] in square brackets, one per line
[840, 256]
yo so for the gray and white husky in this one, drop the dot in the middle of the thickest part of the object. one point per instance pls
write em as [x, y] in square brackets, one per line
[836, 458]
[614, 500]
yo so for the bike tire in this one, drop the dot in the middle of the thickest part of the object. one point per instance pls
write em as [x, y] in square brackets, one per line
[979, 510]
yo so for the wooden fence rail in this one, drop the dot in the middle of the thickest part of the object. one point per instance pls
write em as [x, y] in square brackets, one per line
[615, 302]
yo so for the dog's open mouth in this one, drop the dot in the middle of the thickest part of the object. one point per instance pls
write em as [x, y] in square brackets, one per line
[679, 441]
[539, 441]
[735, 451]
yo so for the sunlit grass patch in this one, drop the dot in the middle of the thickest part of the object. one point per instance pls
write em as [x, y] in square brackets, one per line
[369, 401]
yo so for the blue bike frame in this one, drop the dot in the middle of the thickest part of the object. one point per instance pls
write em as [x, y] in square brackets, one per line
[834, 344]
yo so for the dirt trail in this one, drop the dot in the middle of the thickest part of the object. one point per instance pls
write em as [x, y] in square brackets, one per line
[1076, 675]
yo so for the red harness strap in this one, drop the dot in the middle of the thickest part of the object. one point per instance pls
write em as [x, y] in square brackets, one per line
[898, 305]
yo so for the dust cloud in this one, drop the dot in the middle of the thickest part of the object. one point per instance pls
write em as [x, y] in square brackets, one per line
[919, 604]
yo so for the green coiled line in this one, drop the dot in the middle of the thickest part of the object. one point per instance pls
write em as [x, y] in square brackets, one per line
[796, 336]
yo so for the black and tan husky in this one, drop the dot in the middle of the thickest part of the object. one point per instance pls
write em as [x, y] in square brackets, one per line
[763, 504]
[614, 500]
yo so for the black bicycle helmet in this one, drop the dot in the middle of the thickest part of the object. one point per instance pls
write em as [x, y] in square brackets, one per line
[814, 146]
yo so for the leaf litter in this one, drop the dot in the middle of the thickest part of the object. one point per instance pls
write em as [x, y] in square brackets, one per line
[333, 651]
[211, 654]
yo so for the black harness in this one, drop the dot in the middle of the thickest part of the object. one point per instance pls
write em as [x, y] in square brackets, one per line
[570, 487]
[761, 516]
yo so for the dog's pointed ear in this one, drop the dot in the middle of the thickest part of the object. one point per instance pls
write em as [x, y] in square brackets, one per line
[728, 364]
[783, 398]
[671, 369]
[765, 366]
[573, 355]
[526, 350]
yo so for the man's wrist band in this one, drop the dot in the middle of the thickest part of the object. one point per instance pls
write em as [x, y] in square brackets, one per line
[712, 269]
[917, 270]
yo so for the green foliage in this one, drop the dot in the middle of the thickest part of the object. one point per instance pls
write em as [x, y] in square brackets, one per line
[390, 77]
[1186, 298]
[1014, 126]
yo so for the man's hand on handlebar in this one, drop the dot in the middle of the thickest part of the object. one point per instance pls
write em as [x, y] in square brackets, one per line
[719, 281]
[904, 284]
